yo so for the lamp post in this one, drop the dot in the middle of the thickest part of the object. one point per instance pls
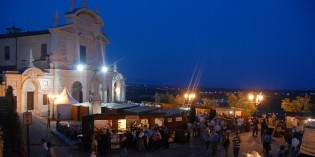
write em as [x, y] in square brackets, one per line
[51, 100]
[189, 97]
[256, 99]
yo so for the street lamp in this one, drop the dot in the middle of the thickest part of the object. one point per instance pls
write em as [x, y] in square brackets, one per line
[80, 67]
[256, 99]
[104, 69]
[189, 97]
[51, 100]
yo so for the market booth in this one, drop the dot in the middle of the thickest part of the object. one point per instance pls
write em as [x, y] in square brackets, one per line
[63, 104]
[117, 122]
[144, 117]
[79, 110]
[202, 109]
[294, 118]
[174, 118]
[229, 111]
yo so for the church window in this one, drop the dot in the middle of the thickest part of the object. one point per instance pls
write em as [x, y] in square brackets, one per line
[43, 51]
[82, 54]
[7, 53]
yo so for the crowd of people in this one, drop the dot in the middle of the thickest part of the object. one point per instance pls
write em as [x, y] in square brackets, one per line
[140, 138]
[294, 138]
[215, 132]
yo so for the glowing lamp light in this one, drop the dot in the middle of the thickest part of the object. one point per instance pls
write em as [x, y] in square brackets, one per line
[251, 97]
[117, 90]
[80, 67]
[50, 96]
[104, 69]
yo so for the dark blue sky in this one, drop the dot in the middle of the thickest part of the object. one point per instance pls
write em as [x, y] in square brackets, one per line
[240, 44]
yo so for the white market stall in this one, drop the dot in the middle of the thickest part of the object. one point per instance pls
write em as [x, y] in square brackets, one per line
[63, 104]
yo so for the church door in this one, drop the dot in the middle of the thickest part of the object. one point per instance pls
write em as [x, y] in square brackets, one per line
[30, 100]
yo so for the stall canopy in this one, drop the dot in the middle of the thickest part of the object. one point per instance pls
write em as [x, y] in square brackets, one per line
[307, 148]
[142, 109]
[171, 112]
[117, 106]
[64, 102]
[65, 98]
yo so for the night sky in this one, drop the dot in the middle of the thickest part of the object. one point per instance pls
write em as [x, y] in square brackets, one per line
[234, 43]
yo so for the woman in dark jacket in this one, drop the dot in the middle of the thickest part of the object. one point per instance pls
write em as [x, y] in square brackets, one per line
[226, 144]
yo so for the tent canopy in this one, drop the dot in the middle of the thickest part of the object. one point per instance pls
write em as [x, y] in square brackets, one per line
[65, 98]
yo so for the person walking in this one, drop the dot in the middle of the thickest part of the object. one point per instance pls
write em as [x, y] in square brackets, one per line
[207, 139]
[214, 141]
[236, 144]
[266, 143]
[226, 144]
[264, 126]
[44, 148]
[123, 141]
[294, 144]
[255, 127]
[51, 151]
[281, 151]
[94, 145]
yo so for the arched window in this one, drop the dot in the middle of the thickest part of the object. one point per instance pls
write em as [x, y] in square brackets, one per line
[77, 91]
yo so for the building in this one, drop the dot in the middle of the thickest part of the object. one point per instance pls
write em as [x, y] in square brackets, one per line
[40, 63]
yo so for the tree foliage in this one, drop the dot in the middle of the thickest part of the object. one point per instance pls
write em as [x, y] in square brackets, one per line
[14, 125]
[240, 100]
[299, 104]
[209, 102]
[176, 101]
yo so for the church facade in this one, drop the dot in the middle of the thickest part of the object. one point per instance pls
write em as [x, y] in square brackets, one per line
[40, 63]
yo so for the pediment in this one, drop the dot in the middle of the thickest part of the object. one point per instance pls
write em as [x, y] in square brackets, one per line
[86, 15]
[33, 73]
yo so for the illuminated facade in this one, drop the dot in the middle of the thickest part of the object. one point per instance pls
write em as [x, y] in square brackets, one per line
[40, 63]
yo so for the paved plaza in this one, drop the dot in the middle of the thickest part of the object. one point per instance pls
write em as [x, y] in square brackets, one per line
[195, 148]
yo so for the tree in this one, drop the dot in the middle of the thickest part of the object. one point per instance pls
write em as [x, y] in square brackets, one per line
[240, 100]
[14, 126]
[209, 102]
[176, 101]
[180, 100]
[299, 104]
[157, 98]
